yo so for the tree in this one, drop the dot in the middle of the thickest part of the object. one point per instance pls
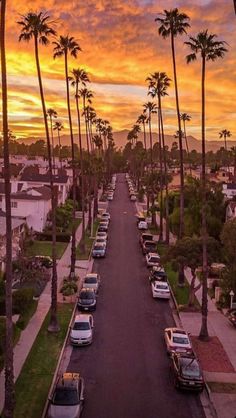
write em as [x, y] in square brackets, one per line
[186, 118]
[80, 77]
[58, 126]
[64, 46]
[142, 120]
[173, 23]
[225, 134]
[233, 153]
[9, 371]
[38, 27]
[52, 114]
[149, 109]
[209, 49]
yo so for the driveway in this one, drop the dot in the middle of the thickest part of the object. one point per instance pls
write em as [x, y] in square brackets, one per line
[126, 369]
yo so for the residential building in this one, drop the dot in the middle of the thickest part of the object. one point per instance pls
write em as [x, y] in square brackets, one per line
[229, 190]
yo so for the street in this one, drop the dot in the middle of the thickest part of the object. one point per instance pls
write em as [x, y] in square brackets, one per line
[126, 369]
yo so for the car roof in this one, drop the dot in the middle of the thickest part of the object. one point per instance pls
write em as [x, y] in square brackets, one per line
[68, 380]
[91, 275]
[82, 318]
[87, 289]
[153, 255]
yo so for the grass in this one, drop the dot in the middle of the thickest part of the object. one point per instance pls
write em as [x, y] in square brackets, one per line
[16, 337]
[26, 316]
[222, 387]
[88, 242]
[34, 382]
[45, 248]
[77, 223]
[181, 293]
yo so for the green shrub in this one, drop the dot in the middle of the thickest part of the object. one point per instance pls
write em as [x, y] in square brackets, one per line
[22, 300]
[69, 287]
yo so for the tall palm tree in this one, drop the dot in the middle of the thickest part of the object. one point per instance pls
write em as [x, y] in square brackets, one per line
[37, 27]
[149, 109]
[51, 113]
[159, 82]
[80, 77]
[87, 96]
[233, 153]
[142, 119]
[65, 46]
[9, 369]
[58, 127]
[173, 23]
[209, 49]
[186, 118]
[225, 134]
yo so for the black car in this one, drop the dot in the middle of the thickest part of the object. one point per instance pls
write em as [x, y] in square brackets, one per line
[187, 373]
[103, 227]
[87, 300]
[157, 273]
[231, 315]
[149, 247]
[145, 237]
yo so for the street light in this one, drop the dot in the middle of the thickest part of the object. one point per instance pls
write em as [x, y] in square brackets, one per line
[231, 294]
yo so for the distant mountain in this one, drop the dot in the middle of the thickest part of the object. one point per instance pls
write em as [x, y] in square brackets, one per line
[120, 138]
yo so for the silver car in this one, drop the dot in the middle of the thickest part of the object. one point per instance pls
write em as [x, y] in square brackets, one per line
[92, 281]
[68, 397]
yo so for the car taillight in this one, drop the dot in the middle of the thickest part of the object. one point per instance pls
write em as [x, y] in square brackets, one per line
[172, 348]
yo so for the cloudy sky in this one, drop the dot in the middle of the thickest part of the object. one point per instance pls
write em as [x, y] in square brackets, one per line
[120, 48]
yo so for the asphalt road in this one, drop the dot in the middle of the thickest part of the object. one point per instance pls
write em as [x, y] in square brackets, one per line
[126, 369]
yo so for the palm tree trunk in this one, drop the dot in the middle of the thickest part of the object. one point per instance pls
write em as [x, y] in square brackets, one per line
[187, 147]
[53, 323]
[82, 241]
[52, 136]
[9, 371]
[150, 135]
[73, 231]
[161, 179]
[181, 221]
[166, 180]
[144, 137]
[204, 331]
[59, 143]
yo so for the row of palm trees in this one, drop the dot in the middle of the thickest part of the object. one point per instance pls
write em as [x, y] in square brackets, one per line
[205, 45]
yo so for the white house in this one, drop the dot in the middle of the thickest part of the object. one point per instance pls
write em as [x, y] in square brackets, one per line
[31, 205]
[229, 190]
[18, 230]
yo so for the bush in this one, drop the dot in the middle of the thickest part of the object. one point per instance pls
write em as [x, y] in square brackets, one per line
[47, 236]
[22, 300]
[69, 287]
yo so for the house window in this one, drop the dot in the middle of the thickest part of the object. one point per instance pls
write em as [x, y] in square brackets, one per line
[14, 204]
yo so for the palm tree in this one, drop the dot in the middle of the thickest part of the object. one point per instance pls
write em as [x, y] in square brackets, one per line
[186, 118]
[158, 85]
[233, 153]
[142, 119]
[58, 127]
[149, 109]
[225, 134]
[80, 77]
[209, 49]
[173, 23]
[64, 46]
[98, 143]
[234, 1]
[9, 369]
[52, 114]
[87, 96]
[37, 27]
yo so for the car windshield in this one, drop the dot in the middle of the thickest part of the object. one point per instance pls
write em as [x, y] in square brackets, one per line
[81, 326]
[190, 368]
[154, 259]
[65, 396]
[161, 286]
[86, 295]
[90, 280]
[180, 340]
[98, 247]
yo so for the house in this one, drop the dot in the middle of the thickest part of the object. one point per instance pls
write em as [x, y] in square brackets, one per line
[31, 205]
[230, 211]
[229, 190]
[18, 232]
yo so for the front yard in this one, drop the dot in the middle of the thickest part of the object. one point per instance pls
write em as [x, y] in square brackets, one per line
[88, 243]
[45, 248]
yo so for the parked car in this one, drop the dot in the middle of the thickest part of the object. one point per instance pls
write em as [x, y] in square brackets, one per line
[67, 399]
[149, 247]
[102, 234]
[82, 330]
[152, 259]
[101, 240]
[103, 227]
[142, 225]
[160, 290]
[231, 315]
[133, 198]
[157, 273]
[145, 237]
[92, 281]
[99, 250]
[177, 340]
[110, 196]
[87, 300]
[105, 216]
[42, 260]
[187, 372]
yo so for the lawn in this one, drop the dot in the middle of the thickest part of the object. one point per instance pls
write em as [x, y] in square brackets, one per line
[35, 379]
[181, 293]
[45, 248]
[88, 243]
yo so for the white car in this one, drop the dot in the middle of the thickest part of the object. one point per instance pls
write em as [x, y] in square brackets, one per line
[110, 196]
[177, 341]
[92, 281]
[160, 290]
[133, 198]
[142, 225]
[101, 240]
[152, 259]
[82, 330]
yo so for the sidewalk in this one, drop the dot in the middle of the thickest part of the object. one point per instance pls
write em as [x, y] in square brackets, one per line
[28, 335]
[218, 326]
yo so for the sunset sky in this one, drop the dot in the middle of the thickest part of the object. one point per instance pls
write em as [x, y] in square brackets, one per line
[120, 48]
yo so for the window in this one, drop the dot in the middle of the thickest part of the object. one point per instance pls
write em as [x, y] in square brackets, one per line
[14, 204]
